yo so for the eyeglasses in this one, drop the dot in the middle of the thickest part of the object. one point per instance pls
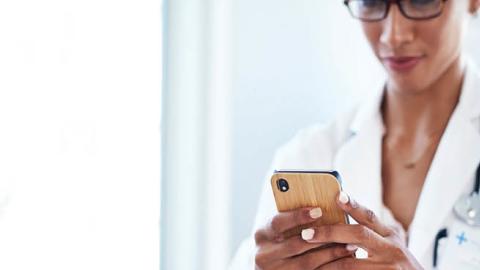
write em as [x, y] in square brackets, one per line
[377, 10]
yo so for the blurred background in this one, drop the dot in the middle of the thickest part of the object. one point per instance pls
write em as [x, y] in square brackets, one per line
[138, 134]
[80, 94]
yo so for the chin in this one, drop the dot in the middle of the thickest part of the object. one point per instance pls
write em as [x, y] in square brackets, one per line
[413, 81]
[408, 84]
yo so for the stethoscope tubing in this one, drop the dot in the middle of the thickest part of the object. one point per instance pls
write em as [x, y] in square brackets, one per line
[443, 233]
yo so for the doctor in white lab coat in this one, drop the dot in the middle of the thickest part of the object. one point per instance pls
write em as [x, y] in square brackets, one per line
[405, 156]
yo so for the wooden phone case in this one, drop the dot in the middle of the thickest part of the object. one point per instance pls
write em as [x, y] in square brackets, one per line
[310, 189]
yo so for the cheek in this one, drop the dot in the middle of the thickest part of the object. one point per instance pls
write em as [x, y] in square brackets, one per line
[442, 40]
[431, 40]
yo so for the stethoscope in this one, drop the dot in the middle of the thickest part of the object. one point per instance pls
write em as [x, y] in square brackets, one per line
[467, 209]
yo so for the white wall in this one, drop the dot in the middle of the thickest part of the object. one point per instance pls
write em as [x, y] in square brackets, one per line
[79, 134]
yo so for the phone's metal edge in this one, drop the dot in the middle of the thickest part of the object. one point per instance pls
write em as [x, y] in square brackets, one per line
[333, 173]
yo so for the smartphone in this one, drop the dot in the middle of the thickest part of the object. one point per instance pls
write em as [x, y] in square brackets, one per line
[299, 189]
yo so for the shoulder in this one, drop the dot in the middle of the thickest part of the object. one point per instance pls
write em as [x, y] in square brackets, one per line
[315, 145]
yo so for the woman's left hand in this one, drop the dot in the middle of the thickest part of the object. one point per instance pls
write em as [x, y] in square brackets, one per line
[386, 245]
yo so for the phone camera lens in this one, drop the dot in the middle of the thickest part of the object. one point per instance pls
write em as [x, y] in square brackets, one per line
[282, 185]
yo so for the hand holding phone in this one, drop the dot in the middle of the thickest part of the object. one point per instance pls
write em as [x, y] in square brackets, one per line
[316, 189]
[303, 199]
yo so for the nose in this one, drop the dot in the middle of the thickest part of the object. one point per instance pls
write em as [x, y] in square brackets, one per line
[397, 30]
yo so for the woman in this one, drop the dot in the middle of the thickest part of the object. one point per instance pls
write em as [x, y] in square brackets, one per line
[406, 155]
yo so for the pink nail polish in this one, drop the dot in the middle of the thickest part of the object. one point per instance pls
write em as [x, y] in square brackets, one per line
[343, 197]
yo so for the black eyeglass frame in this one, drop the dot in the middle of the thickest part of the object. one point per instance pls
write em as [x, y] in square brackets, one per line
[400, 7]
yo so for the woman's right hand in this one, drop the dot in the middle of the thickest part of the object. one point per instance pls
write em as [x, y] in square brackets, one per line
[293, 253]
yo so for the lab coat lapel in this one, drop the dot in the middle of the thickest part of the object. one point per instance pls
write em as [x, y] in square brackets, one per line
[452, 168]
[359, 158]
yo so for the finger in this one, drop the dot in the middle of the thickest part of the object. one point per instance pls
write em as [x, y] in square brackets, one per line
[362, 215]
[270, 252]
[285, 221]
[288, 248]
[317, 258]
[291, 247]
[356, 264]
[346, 234]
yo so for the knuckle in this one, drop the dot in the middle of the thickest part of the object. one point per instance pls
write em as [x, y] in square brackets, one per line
[293, 246]
[298, 217]
[259, 260]
[398, 251]
[338, 252]
[326, 232]
[263, 259]
[361, 232]
[354, 204]
[392, 231]
[276, 224]
[259, 236]
[371, 217]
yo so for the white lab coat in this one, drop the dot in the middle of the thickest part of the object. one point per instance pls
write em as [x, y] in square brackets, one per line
[352, 145]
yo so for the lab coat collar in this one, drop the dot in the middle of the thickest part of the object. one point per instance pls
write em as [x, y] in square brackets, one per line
[452, 169]
[469, 99]
[369, 113]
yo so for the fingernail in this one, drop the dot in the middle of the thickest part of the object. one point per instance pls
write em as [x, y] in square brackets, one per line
[307, 234]
[343, 197]
[315, 213]
[351, 247]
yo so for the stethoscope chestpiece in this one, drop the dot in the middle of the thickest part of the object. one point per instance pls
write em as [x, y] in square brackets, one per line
[467, 209]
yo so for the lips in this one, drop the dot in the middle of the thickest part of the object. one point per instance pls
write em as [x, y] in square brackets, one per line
[402, 64]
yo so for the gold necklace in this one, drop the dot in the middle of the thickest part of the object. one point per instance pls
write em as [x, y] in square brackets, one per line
[433, 142]
[412, 163]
